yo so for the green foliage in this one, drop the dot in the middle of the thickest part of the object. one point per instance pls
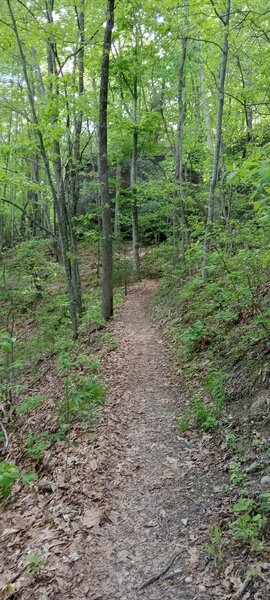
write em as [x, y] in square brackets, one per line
[35, 564]
[123, 272]
[92, 312]
[247, 526]
[215, 386]
[28, 476]
[215, 546]
[251, 520]
[194, 334]
[9, 474]
[155, 261]
[36, 444]
[82, 397]
[236, 475]
[184, 424]
[29, 404]
[203, 414]
[109, 339]
[206, 410]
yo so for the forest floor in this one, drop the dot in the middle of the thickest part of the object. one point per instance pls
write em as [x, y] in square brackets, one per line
[141, 497]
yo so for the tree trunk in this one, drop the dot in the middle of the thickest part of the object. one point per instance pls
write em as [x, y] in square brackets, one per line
[58, 193]
[179, 148]
[214, 177]
[67, 239]
[107, 259]
[246, 83]
[75, 159]
[2, 216]
[133, 181]
[206, 114]
[117, 193]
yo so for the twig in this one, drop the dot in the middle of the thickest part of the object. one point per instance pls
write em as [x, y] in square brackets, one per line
[160, 574]
[6, 438]
[243, 588]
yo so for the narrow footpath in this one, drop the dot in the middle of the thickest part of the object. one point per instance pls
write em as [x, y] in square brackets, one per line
[132, 502]
[156, 480]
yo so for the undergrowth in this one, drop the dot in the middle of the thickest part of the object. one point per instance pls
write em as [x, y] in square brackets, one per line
[35, 337]
[219, 329]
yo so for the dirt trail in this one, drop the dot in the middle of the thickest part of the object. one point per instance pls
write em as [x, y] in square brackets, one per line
[155, 483]
[137, 491]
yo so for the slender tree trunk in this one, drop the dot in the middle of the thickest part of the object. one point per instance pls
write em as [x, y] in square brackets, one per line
[58, 192]
[246, 83]
[179, 147]
[206, 113]
[34, 198]
[75, 159]
[117, 206]
[2, 216]
[214, 177]
[63, 215]
[107, 258]
[133, 181]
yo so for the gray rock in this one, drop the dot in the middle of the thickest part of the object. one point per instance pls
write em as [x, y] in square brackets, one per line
[252, 468]
[261, 403]
[265, 481]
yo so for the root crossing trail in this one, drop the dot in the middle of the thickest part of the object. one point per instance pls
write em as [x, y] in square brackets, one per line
[153, 482]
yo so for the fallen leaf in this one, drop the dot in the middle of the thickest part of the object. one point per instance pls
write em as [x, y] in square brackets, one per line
[171, 460]
[93, 465]
[107, 549]
[92, 517]
[194, 555]
[11, 531]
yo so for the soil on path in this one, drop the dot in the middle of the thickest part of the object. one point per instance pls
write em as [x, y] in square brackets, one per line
[155, 483]
[138, 493]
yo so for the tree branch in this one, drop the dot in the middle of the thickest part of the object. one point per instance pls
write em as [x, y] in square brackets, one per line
[217, 13]
[23, 210]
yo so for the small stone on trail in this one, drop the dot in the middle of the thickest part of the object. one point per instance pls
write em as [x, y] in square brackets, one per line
[188, 579]
[252, 468]
[265, 481]
[184, 521]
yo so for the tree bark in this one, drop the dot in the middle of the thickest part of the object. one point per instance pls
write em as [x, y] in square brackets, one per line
[117, 206]
[133, 181]
[214, 177]
[107, 258]
[246, 83]
[75, 158]
[58, 193]
[179, 148]
[206, 114]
